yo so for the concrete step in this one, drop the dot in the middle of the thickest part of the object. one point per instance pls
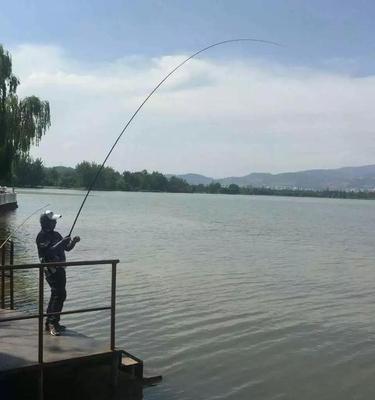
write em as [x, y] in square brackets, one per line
[131, 365]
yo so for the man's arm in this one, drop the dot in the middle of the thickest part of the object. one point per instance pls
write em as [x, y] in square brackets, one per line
[71, 244]
[53, 252]
[62, 243]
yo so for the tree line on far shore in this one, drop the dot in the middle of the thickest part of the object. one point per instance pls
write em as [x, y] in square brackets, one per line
[31, 173]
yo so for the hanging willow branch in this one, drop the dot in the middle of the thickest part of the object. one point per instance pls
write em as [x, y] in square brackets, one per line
[22, 122]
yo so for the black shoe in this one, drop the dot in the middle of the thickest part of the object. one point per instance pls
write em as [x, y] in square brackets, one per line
[53, 330]
[60, 328]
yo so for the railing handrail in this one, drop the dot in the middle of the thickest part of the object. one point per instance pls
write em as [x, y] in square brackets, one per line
[60, 264]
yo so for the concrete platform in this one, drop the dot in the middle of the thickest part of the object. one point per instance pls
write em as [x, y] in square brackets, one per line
[19, 344]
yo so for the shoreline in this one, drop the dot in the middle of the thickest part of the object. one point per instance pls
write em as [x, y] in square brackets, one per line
[323, 194]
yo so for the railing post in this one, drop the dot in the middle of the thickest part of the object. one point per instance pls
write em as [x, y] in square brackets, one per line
[113, 306]
[115, 360]
[11, 259]
[41, 307]
[40, 332]
[2, 277]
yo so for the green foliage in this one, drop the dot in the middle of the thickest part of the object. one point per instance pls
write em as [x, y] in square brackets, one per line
[108, 179]
[85, 172]
[178, 185]
[233, 189]
[22, 121]
[29, 173]
[214, 187]
[157, 182]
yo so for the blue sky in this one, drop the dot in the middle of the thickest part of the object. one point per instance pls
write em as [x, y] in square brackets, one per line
[312, 31]
[324, 42]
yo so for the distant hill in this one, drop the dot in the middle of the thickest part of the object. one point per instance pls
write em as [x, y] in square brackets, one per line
[194, 179]
[346, 178]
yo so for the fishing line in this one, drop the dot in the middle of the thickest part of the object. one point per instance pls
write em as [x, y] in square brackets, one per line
[146, 99]
[23, 223]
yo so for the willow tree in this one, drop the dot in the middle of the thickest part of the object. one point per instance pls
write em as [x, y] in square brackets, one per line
[23, 122]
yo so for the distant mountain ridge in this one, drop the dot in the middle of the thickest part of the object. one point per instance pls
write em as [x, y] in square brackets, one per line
[345, 178]
[194, 179]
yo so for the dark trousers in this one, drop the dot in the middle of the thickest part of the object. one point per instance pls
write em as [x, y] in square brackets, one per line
[57, 283]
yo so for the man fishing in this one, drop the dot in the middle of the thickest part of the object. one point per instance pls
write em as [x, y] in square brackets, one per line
[51, 248]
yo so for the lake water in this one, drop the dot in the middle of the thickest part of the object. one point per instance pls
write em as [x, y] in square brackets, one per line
[228, 297]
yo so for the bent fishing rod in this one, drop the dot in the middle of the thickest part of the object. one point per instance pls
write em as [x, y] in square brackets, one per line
[21, 224]
[148, 97]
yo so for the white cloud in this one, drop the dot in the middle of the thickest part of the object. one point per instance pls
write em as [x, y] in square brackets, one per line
[211, 117]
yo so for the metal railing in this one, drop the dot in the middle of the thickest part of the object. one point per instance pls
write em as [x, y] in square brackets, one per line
[7, 257]
[41, 314]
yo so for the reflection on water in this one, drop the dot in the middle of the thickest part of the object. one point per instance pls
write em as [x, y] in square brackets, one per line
[7, 222]
[228, 297]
